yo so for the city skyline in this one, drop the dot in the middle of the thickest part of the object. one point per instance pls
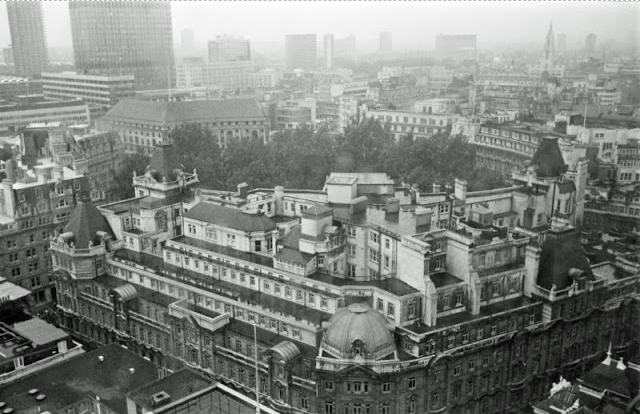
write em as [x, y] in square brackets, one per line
[413, 25]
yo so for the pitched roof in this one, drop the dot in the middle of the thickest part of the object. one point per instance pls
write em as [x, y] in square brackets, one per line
[559, 254]
[548, 158]
[164, 161]
[85, 222]
[230, 218]
[294, 256]
[608, 376]
[136, 109]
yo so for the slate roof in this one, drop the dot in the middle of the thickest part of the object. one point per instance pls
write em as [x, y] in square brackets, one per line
[164, 161]
[559, 254]
[85, 221]
[230, 218]
[566, 187]
[133, 109]
[607, 376]
[294, 256]
[548, 158]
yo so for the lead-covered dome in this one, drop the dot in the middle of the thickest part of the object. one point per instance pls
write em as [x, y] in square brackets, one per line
[358, 332]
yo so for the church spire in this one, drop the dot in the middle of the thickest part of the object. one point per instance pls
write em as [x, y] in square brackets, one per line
[549, 49]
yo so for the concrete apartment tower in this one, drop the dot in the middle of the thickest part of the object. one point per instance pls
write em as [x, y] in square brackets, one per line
[386, 45]
[328, 51]
[300, 51]
[27, 37]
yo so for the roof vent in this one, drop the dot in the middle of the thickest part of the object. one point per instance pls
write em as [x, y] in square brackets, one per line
[160, 398]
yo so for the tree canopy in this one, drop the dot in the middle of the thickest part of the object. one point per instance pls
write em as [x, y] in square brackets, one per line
[303, 158]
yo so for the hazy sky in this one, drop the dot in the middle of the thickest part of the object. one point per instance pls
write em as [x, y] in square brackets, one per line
[413, 23]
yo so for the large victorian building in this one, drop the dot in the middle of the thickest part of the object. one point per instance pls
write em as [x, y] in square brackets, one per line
[361, 299]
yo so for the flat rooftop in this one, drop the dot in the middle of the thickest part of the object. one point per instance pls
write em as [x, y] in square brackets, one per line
[466, 317]
[85, 375]
[178, 385]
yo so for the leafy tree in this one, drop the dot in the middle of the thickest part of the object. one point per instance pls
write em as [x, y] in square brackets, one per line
[303, 159]
[122, 184]
[197, 148]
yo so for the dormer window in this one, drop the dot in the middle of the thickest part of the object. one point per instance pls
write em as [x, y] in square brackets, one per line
[60, 189]
[358, 348]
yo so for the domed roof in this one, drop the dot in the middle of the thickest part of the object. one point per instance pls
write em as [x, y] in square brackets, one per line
[358, 330]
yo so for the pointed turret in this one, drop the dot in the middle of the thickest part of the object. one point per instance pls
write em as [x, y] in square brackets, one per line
[547, 160]
[87, 227]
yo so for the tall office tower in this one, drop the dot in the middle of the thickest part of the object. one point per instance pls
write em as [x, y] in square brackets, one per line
[300, 51]
[328, 51]
[561, 43]
[27, 37]
[549, 50]
[187, 42]
[590, 44]
[227, 49]
[345, 48]
[124, 37]
[386, 45]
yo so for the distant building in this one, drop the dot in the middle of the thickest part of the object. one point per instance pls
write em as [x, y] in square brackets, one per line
[96, 155]
[590, 44]
[142, 124]
[506, 147]
[28, 40]
[298, 113]
[7, 55]
[561, 42]
[225, 49]
[124, 38]
[345, 48]
[420, 125]
[187, 42]
[100, 92]
[385, 44]
[549, 50]
[14, 117]
[12, 86]
[328, 51]
[266, 78]
[300, 51]
[456, 47]
[230, 75]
